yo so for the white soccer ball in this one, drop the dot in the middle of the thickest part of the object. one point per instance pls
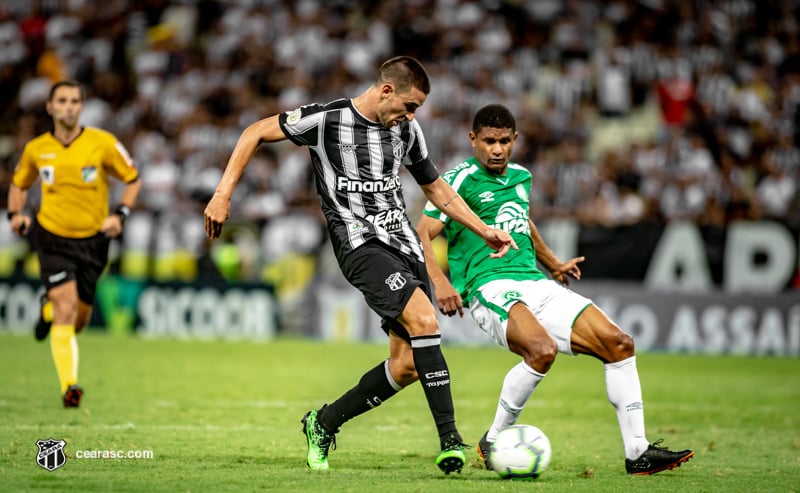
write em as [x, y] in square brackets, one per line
[520, 451]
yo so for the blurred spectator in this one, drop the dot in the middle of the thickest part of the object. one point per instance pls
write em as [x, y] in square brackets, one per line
[627, 110]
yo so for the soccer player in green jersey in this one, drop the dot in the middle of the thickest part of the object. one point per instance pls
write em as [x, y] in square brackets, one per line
[518, 305]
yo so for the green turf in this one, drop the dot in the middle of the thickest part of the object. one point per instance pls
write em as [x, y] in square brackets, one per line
[226, 417]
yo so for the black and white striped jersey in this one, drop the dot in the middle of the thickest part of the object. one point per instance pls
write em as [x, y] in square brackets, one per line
[356, 163]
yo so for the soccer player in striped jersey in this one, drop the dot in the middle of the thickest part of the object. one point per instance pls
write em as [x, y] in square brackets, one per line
[515, 303]
[357, 147]
[73, 228]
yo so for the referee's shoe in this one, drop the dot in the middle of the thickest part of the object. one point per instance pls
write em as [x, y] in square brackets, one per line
[45, 319]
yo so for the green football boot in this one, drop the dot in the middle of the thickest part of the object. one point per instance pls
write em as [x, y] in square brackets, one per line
[319, 442]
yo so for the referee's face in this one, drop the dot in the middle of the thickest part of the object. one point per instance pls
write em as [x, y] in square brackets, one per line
[65, 106]
[396, 108]
[493, 148]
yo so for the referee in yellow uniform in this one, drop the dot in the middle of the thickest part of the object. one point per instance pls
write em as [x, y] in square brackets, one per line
[73, 228]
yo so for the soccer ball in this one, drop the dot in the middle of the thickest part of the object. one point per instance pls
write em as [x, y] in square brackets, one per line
[520, 451]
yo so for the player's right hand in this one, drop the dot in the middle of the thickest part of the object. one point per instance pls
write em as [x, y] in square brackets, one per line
[500, 241]
[215, 215]
[20, 224]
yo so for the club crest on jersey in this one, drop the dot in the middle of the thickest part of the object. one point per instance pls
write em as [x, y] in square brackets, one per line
[395, 281]
[397, 148]
[89, 174]
[47, 174]
[51, 454]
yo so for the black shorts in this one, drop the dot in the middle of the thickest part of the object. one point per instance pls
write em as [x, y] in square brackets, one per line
[65, 259]
[387, 279]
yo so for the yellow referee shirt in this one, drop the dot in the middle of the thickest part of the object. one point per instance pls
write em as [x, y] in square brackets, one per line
[74, 179]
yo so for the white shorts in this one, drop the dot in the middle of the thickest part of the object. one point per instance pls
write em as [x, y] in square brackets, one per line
[555, 306]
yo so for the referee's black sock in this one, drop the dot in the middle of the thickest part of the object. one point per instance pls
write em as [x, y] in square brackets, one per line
[375, 386]
[435, 379]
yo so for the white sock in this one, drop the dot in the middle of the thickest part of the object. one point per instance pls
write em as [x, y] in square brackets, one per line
[519, 384]
[625, 394]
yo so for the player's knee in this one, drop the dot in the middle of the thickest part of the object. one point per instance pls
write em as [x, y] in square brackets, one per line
[423, 324]
[65, 309]
[541, 354]
[622, 346]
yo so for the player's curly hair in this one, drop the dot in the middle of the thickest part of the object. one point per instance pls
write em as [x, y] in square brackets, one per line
[494, 116]
[404, 72]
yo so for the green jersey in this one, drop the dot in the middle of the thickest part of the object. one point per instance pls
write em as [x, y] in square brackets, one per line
[501, 202]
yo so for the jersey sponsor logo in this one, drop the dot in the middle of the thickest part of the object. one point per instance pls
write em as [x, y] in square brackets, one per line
[51, 454]
[293, 117]
[389, 183]
[47, 174]
[395, 281]
[349, 148]
[47, 155]
[487, 197]
[512, 218]
[89, 174]
[398, 149]
[390, 220]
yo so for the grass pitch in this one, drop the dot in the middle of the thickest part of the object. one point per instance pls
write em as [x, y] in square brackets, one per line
[224, 416]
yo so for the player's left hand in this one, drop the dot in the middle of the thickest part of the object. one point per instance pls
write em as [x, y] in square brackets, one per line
[215, 215]
[448, 299]
[499, 241]
[564, 270]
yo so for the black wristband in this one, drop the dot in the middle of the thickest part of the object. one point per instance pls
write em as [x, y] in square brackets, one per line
[11, 214]
[123, 211]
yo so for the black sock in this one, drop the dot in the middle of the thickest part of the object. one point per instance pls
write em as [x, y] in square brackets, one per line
[373, 388]
[435, 379]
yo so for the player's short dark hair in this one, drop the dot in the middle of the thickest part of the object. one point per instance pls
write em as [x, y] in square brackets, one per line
[405, 73]
[65, 83]
[494, 116]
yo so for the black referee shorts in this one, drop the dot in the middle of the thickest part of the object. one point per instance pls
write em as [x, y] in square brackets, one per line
[65, 259]
[387, 279]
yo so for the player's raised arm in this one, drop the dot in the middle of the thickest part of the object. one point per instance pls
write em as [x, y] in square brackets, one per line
[219, 207]
[447, 200]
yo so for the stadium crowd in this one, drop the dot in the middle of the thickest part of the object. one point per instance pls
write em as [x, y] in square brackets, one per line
[628, 110]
